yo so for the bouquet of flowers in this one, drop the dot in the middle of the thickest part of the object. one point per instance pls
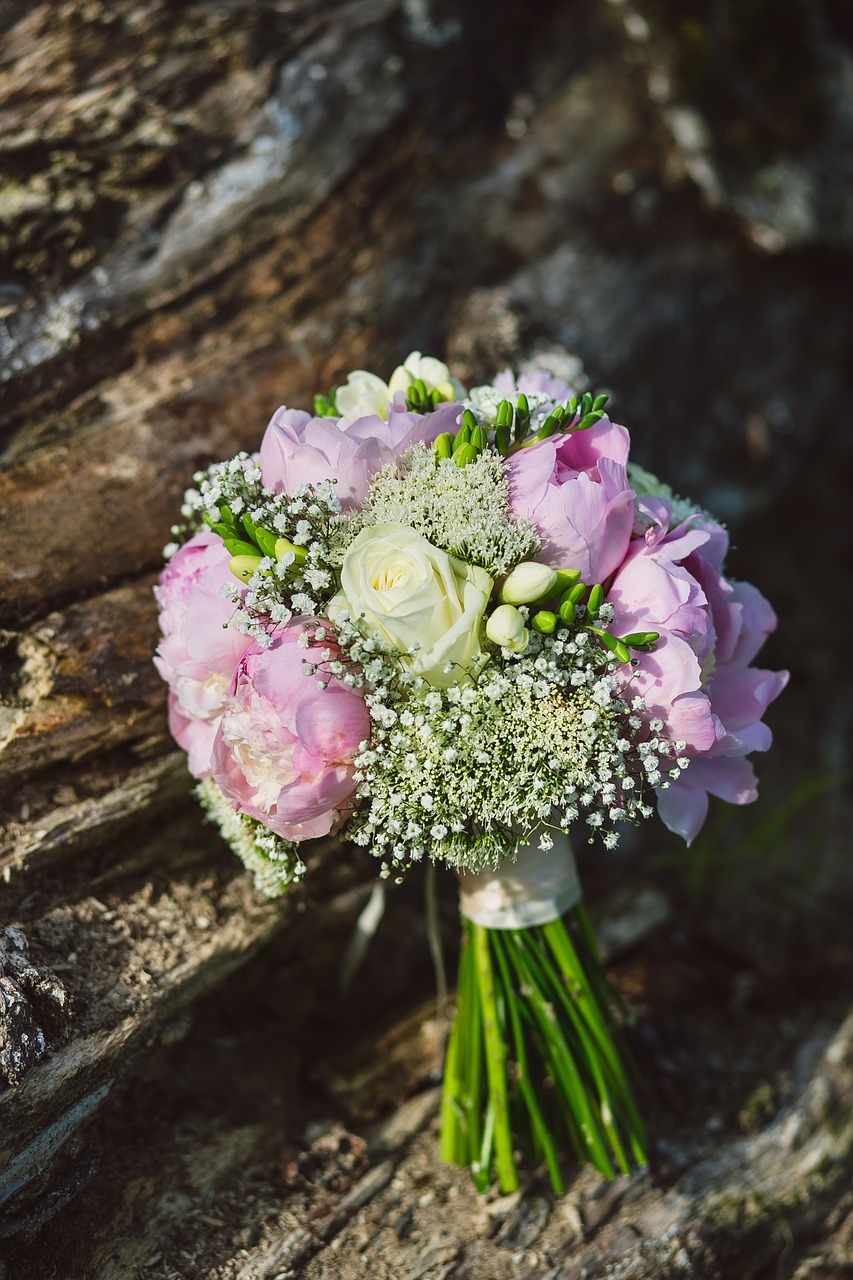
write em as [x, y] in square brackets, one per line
[460, 626]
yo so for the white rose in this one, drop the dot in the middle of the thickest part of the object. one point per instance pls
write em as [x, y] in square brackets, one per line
[424, 602]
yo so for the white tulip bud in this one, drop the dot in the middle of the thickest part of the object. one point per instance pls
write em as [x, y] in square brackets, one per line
[506, 627]
[529, 581]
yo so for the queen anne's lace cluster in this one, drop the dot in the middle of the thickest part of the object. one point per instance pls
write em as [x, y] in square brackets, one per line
[536, 741]
[463, 510]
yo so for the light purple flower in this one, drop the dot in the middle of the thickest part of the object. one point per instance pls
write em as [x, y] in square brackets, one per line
[284, 748]
[533, 382]
[298, 449]
[698, 680]
[199, 651]
[575, 491]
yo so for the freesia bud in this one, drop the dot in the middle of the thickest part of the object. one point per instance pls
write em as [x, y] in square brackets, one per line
[567, 578]
[443, 445]
[266, 541]
[529, 581]
[506, 627]
[544, 621]
[284, 546]
[463, 454]
[243, 567]
[237, 547]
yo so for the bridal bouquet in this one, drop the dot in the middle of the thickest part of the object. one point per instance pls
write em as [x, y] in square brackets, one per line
[460, 626]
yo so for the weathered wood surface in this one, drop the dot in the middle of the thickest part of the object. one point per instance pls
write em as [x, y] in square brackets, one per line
[207, 209]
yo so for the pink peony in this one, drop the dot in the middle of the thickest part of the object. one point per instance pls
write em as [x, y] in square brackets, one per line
[284, 748]
[574, 489]
[199, 652]
[298, 449]
[698, 680]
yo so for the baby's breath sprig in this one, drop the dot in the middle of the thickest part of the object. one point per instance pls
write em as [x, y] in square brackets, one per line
[275, 863]
[284, 548]
[224, 490]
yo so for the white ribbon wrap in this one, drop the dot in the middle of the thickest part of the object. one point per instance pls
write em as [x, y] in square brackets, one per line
[538, 887]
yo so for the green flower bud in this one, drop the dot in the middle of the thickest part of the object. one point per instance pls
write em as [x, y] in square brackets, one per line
[464, 454]
[544, 621]
[463, 436]
[552, 424]
[479, 439]
[503, 418]
[596, 599]
[522, 417]
[567, 578]
[266, 541]
[568, 612]
[574, 595]
[640, 638]
[224, 530]
[616, 647]
[443, 445]
[589, 420]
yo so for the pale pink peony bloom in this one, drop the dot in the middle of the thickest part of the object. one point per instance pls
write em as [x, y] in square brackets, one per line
[199, 651]
[575, 491]
[284, 748]
[298, 449]
[698, 680]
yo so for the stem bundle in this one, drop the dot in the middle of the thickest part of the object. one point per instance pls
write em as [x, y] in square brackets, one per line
[532, 1065]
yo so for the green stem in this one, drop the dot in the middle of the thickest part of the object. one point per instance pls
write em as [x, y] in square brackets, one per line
[460, 1103]
[563, 1059]
[594, 1007]
[525, 1084]
[496, 1052]
[598, 1055]
[541, 996]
